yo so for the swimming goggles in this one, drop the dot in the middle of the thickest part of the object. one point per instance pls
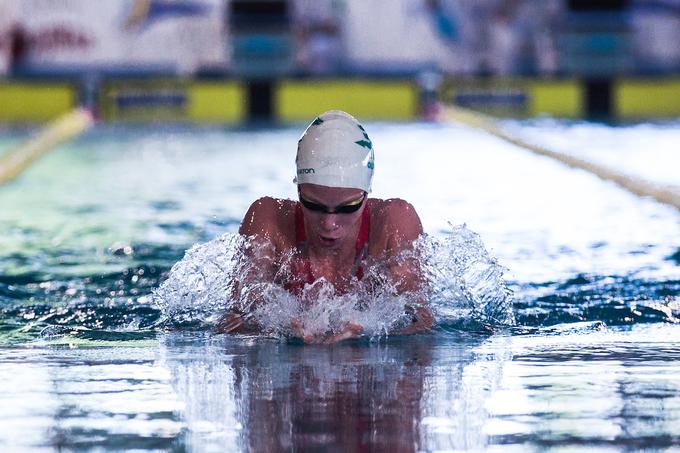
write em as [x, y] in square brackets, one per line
[348, 208]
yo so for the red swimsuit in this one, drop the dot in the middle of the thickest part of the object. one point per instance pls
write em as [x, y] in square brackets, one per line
[301, 270]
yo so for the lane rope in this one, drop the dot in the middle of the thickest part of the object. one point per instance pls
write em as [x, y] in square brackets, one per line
[64, 128]
[663, 193]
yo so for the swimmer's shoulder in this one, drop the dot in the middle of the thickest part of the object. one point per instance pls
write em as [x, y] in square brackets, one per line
[392, 209]
[269, 217]
[394, 219]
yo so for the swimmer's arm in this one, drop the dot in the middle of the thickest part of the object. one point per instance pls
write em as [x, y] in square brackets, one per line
[405, 271]
[238, 317]
[403, 228]
[259, 251]
[260, 227]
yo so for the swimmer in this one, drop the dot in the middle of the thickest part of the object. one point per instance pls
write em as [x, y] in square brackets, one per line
[334, 229]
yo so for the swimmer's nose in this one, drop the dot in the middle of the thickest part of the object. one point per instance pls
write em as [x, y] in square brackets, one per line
[329, 221]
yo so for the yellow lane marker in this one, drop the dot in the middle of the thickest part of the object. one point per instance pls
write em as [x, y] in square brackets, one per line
[663, 193]
[60, 130]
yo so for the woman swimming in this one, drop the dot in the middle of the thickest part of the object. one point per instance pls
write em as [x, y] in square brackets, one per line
[333, 231]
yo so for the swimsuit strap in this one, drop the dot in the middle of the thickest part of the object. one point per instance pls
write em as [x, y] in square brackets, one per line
[364, 230]
[361, 247]
[301, 269]
[300, 234]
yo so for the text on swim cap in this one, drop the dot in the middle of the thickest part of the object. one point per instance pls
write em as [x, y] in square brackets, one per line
[305, 171]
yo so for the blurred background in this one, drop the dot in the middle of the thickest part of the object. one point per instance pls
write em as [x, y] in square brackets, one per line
[199, 105]
[236, 61]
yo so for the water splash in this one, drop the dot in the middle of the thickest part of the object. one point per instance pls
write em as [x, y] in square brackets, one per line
[319, 311]
[468, 289]
[200, 286]
[465, 289]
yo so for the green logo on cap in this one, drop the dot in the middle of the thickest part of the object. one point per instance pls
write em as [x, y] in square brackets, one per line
[365, 143]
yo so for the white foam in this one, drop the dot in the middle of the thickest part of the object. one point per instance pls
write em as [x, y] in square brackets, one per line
[464, 284]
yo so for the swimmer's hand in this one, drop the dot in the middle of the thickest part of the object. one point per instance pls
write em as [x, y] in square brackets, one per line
[229, 323]
[349, 330]
[421, 317]
[235, 323]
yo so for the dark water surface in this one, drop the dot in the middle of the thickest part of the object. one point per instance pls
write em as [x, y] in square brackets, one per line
[90, 363]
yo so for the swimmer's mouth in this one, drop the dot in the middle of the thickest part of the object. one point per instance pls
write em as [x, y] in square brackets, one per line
[328, 241]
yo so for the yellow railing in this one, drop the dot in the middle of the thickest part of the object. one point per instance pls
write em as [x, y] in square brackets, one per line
[666, 194]
[64, 128]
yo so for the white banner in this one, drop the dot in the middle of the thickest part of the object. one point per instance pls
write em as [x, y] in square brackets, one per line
[398, 34]
[175, 35]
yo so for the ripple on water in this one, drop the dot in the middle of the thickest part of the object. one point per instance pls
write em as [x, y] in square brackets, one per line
[615, 300]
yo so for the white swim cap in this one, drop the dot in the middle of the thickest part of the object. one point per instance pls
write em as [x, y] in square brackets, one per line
[335, 151]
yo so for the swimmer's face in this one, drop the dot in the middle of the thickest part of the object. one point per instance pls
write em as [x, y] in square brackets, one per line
[331, 230]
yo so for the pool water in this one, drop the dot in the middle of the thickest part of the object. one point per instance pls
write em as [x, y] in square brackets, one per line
[90, 362]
